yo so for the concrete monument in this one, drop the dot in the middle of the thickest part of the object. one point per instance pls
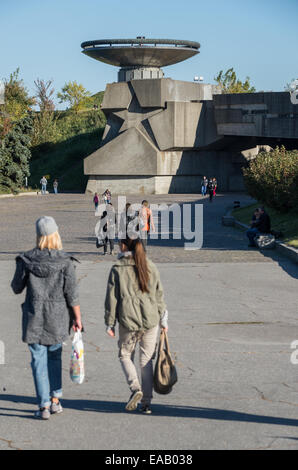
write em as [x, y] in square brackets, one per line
[163, 135]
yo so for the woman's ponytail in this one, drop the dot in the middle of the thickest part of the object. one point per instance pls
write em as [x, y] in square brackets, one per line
[141, 265]
[139, 256]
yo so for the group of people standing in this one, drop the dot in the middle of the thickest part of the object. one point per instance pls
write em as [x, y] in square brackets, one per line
[210, 186]
[131, 221]
[134, 298]
[106, 196]
[44, 183]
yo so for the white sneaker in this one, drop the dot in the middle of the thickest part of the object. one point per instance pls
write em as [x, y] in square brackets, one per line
[134, 400]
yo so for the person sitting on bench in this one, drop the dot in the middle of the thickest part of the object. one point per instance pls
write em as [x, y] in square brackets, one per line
[260, 226]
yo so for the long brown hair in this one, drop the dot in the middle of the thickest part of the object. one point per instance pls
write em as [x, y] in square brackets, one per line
[139, 255]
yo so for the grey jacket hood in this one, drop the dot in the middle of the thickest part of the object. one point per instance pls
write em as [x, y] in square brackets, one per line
[43, 263]
[51, 290]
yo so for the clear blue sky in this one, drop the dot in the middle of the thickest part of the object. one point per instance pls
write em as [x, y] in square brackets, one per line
[259, 38]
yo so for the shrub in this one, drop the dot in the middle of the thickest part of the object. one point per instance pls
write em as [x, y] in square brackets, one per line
[15, 155]
[272, 178]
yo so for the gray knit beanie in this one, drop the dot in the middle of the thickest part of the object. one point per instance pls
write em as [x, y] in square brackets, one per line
[46, 226]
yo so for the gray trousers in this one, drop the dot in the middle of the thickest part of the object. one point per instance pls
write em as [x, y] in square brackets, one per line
[147, 345]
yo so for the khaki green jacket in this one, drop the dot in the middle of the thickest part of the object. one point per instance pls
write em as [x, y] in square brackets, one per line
[125, 301]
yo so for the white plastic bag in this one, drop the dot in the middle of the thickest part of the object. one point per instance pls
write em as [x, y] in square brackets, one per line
[77, 369]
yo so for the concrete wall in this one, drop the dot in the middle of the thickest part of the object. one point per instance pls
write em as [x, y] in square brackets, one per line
[176, 126]
[270, 115]
[121, 185]
[130, 153]
[163, 135]
[178, 172]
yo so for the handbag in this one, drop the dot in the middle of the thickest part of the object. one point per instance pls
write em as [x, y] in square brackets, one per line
[99, 242]
[165, 373]
[100, 239]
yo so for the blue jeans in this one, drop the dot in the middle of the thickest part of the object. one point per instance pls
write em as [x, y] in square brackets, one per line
[43, 188]
[47, 372]
[251, 234]
[204, 190]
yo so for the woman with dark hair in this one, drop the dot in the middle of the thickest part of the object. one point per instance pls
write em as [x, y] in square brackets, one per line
[135, 298]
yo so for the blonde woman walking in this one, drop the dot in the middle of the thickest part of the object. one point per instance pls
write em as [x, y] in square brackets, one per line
[50, 309]
[135, 298]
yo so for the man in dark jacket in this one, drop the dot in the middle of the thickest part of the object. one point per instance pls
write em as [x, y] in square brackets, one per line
[261, 225]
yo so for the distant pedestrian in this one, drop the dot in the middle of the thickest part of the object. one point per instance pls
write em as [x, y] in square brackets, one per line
[107, 229]
[135, 298]
[128, 222]
[211, 189]
[214, 186]
[43, 183]
[50, 309]
[107, 196]
[146, 222]
[204, 185]
[96, 201]
[55, 186]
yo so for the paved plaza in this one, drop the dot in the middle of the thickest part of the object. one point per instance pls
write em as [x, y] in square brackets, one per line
[232, 320]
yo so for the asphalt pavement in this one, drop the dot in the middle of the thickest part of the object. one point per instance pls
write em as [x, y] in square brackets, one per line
[232, 324]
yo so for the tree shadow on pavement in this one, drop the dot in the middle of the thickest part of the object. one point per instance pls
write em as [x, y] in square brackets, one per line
[290, 267]
[158, 410]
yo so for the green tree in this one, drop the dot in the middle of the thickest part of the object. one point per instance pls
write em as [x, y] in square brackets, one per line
[75, 94]
[45, 121]
[17, 99]
[272, 178]
[44, 94]
[16, 102]
[15, 155]
[229, 82]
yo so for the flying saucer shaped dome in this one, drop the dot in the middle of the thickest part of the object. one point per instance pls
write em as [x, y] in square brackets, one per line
[140, 52]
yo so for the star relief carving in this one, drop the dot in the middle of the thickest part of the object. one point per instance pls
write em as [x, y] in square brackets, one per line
[135, 119]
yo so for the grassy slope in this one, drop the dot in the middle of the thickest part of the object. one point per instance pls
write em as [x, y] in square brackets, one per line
[64, 161]
[286, 223]
[79, 135]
